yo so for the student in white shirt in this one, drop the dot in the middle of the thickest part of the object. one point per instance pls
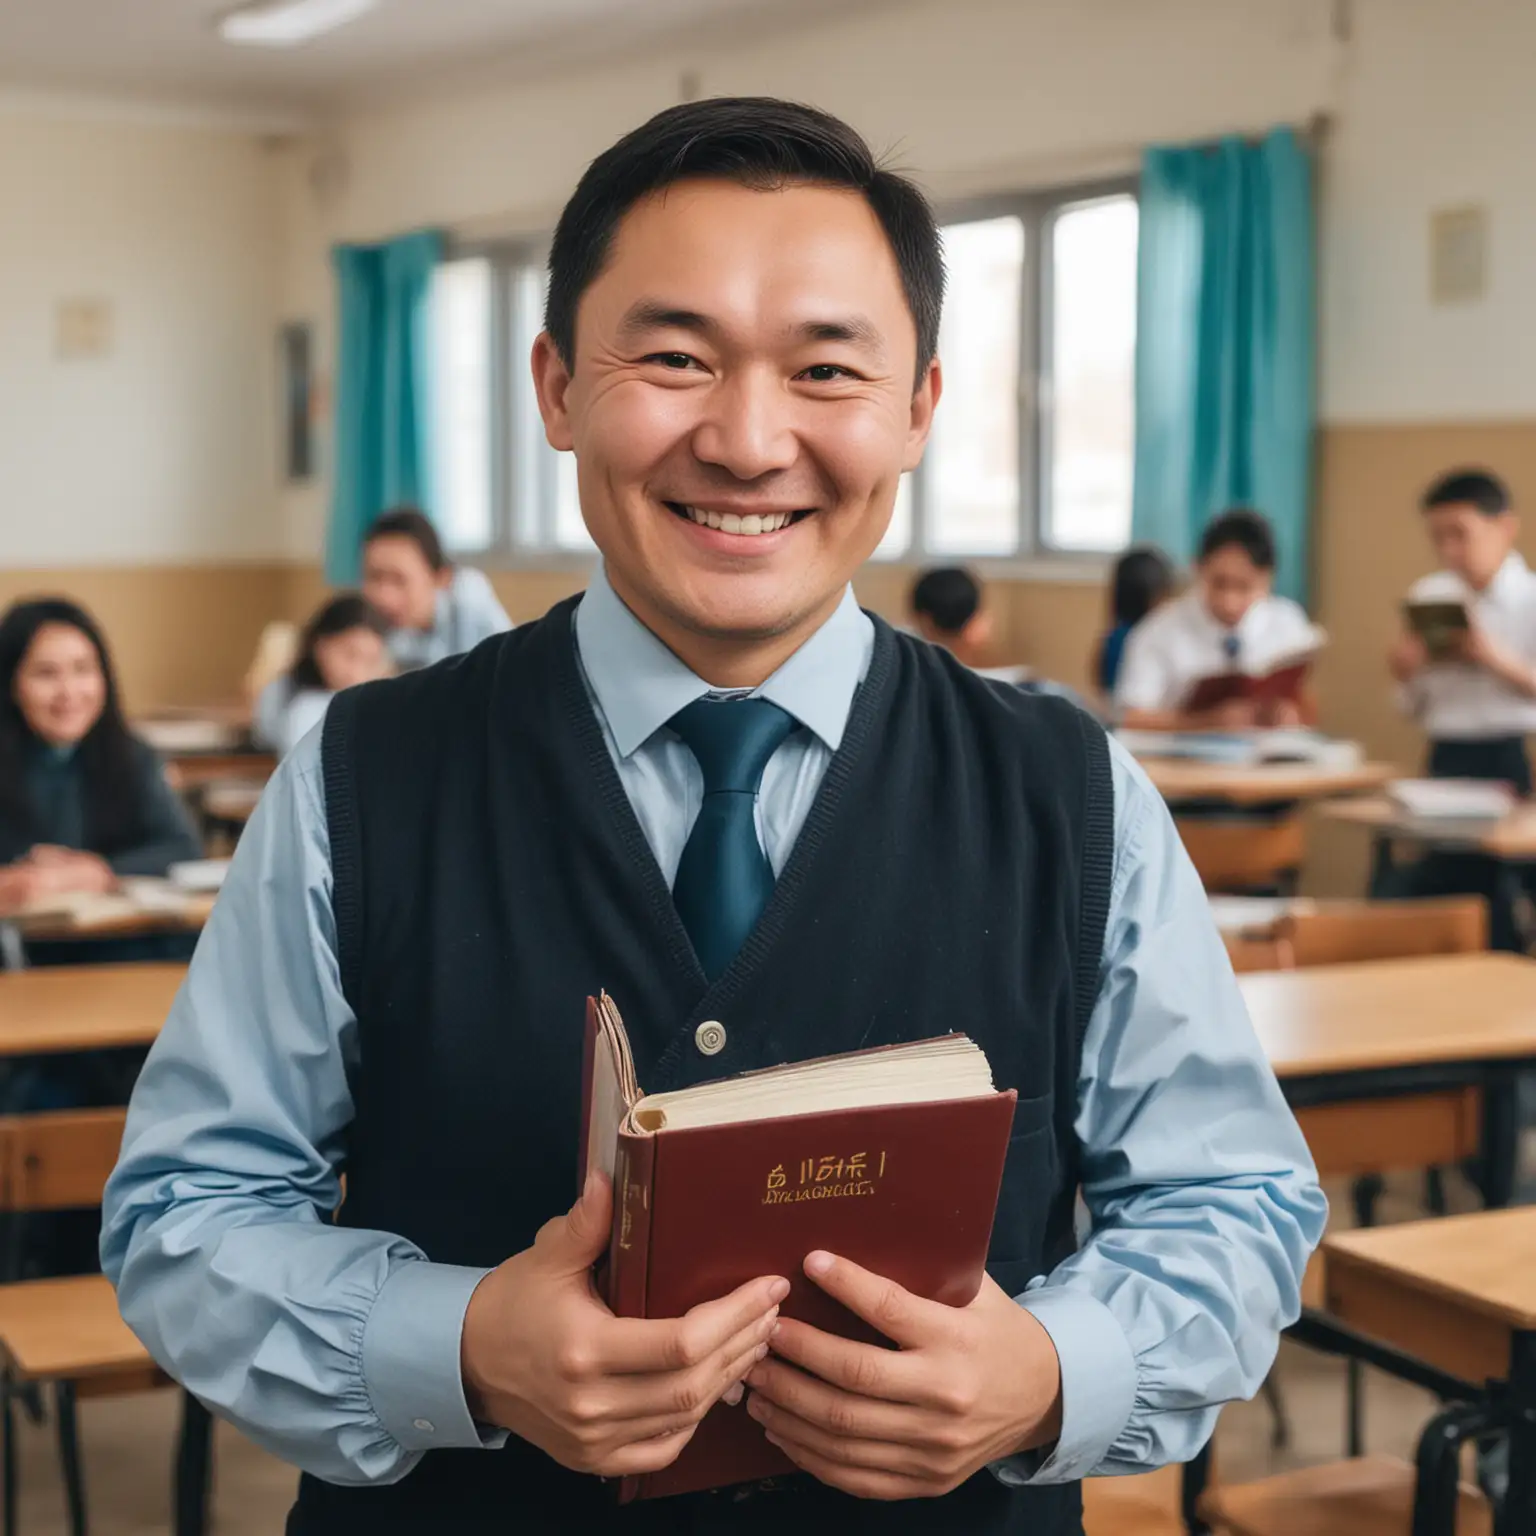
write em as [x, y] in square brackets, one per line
[1228, 619]
[342, 645]
[1478, 709]
[435, 609]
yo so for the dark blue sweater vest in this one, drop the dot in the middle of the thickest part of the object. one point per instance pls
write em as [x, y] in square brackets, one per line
[953, 874]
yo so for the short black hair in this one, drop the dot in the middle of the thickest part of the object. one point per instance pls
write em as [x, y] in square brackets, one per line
[1142, 578]
[948, 597]
[759, 142]
[1469, 488]
[413, 524]
[1241, 528]
[343, 612]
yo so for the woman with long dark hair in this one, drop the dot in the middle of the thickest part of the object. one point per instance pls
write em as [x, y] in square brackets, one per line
[82, 800]
[342, 645]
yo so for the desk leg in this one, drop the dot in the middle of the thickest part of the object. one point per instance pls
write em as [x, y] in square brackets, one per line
[1381, 863]
[193, 1458]
[1518, 1517]
[13, 953]
[1501, 1139]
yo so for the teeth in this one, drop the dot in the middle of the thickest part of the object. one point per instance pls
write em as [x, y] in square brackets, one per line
[729, 522]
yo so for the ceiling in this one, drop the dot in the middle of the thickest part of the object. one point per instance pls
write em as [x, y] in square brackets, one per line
[169, 48]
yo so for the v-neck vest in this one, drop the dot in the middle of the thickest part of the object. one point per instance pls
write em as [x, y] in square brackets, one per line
[489, 874]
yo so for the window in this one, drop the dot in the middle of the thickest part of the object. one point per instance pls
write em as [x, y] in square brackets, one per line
[1032, 447]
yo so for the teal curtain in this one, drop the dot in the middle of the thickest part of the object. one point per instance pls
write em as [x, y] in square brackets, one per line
[383, 399]
[1224, 344]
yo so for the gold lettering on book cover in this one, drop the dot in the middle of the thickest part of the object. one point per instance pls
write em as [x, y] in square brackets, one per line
[832, 1177]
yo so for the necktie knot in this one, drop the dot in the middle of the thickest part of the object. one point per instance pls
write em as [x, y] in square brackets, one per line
[733, 740]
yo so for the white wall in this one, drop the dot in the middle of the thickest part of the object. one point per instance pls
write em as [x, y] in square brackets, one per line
[164, 450]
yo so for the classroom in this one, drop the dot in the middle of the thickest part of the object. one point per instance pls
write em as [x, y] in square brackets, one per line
[1187, 674]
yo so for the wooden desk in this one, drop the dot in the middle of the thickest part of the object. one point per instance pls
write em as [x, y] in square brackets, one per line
[1512, 838]
[1261, 783]
[84, 1008]
[195, 770]
[233, 802]
[128, 924]
[1402, 1063]
[1460, 1294]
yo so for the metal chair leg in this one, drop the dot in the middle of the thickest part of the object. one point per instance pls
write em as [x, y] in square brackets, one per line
[69, 1455]
[1434, 1191]
[1197, 1475]
[1280, 1429]
[194, 1457]
[1365, 1192]
[1437, 1490]
[1354, 1408]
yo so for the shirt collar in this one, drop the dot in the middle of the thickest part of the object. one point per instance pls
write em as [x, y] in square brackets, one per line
[639, 684]
[1509, 579]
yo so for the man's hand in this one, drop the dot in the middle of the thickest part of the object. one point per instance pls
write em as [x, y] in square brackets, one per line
[19, 884]
[1408, 657]
[543, 1356]
[1480, 649]
[71, 869]
[968, 1386]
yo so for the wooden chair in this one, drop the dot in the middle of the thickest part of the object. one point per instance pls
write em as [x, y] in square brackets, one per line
[1370, 1496]
[1244, 855]
[1333, 934]
[68, 1331]
[1148, 1505]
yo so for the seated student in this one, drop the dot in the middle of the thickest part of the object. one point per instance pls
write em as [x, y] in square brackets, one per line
[1143, 579]
[434, 608]
[343, 644]
[1478, 708]
[82, 800]
[1228, 619]
[949, 609]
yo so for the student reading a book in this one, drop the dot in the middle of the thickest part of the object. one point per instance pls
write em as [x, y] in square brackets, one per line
[1229, 623]
[1143, 580]
[1465, 667]
[434, 608]
[949, 608]
[772, 829]
[342, 645]
[83, 802]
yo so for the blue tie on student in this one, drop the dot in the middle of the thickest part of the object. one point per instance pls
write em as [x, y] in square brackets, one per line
[724, 879]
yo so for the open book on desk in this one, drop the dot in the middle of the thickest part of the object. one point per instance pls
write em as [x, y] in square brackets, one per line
[1241, 749]
[1279, 679]
[891, 1157]
[137, 901]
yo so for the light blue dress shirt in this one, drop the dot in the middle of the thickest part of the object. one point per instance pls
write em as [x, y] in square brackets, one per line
[339, 1349]
[467, 612]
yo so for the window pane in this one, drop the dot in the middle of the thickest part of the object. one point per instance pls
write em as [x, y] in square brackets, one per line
[898, 536]
[570, 531]
[1090, 430]
[461, 403]
[973, 459]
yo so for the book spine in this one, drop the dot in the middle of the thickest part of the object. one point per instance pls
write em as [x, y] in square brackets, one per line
[629, 1252]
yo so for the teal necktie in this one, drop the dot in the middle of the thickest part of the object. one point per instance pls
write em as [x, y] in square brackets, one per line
[724, 879]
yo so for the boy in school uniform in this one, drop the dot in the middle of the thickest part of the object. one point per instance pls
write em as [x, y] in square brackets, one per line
[1477, 708]
[1228, 619]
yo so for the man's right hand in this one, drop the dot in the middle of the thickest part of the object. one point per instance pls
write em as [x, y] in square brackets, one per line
[543, 1357]
[1407, 658]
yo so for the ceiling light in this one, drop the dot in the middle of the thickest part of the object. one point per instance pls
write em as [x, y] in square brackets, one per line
[287, 23]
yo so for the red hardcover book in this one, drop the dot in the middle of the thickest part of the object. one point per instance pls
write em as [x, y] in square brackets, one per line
[890, 1157]
[1280, 681]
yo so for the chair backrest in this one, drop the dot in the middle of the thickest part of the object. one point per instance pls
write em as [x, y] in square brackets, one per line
[1385, 930]
[58, 1160]
[1243, 855]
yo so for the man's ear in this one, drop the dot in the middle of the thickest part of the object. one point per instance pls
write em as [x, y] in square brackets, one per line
[920, 424]
[552, 383]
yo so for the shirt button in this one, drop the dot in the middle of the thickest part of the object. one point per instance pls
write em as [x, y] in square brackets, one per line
[710, 1037]
[426, 1426]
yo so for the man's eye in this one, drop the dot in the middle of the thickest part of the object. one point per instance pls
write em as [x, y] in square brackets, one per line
[671, 359]
[826, 373]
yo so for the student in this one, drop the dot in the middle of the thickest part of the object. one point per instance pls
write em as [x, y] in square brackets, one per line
[949, 609]
[1143, 580]
[1229, 618]
[434, 609]
[715, 787]
[82, 801]
[1478, 709]
[342, 645]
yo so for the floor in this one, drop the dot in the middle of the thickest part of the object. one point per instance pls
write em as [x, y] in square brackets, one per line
[128, 1442]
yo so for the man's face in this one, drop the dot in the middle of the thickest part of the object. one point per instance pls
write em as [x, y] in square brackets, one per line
[741, 405]
[1469, 542]
[399, 582]
[1231, 584]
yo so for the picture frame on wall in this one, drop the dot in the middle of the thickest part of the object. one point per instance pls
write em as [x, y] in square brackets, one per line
[296, 371]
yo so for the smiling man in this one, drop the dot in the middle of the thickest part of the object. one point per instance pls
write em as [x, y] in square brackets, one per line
[718, 789]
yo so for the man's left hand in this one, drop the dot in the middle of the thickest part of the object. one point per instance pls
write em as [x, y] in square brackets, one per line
[967, 1386]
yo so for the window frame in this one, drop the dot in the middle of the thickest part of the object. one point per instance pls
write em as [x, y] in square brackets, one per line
[512, 392]
[1037, 211]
